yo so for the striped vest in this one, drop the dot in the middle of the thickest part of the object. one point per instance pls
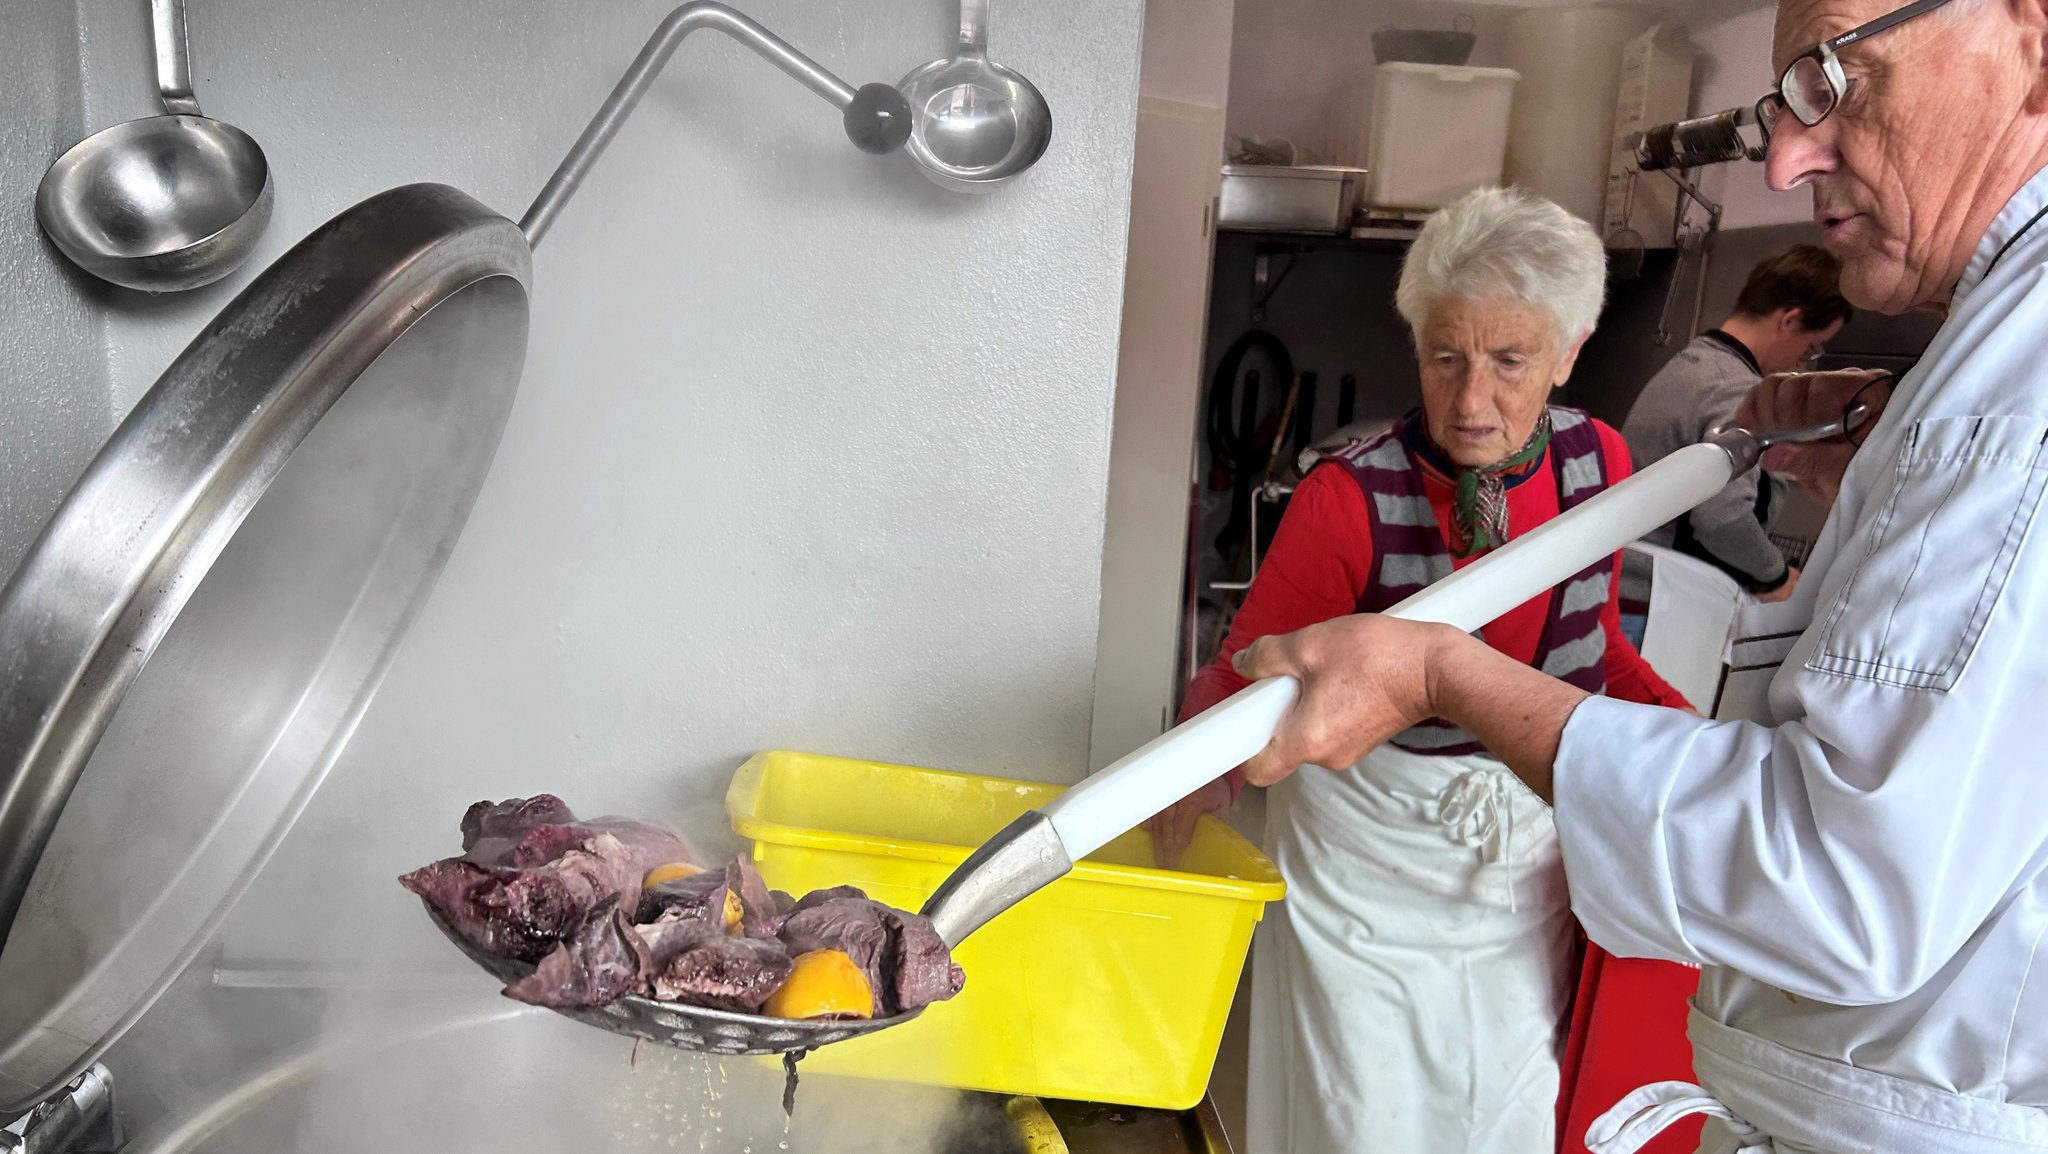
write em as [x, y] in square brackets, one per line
[1409, 553]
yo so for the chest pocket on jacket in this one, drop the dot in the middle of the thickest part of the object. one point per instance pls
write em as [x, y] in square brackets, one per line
[1937, 552]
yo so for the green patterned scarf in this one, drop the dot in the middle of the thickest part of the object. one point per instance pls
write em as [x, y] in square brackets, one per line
[1479, 520]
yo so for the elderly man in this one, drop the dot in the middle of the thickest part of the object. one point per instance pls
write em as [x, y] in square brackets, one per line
[1862, 869]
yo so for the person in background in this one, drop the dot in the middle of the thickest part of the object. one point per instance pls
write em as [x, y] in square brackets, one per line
[1791, 305]
[1410, 992]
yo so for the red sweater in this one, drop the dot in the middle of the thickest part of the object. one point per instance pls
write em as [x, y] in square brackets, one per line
[1321, 559]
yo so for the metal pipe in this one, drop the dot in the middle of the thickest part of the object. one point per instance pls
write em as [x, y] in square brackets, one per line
[173, 72]
[634, 84]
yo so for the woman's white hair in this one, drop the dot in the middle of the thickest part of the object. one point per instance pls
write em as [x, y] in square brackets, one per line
[1496, 242]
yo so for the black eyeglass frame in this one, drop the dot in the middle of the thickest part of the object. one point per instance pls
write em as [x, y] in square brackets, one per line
[1774, 102]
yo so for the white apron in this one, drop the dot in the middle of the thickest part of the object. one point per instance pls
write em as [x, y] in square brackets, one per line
[1773, 1100]
[1409, 995]
[1763, 1097]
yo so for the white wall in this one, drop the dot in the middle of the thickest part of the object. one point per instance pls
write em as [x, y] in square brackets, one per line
[53, 398]
[1184, 85]
[1187, 50]
[810, 453]
[1290, 58]
[1734, 69]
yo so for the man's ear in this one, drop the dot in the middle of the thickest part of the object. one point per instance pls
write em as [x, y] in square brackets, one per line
[2030, 23]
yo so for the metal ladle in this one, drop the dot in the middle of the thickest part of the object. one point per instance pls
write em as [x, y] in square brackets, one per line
[974, 123]
[164, 203]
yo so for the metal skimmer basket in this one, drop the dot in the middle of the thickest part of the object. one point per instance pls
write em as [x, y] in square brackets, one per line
[688, 1027]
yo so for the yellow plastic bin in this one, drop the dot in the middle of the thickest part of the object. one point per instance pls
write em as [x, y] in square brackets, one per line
[1110, 985]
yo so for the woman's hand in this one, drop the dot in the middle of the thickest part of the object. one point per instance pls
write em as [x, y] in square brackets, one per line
[1784, 590]
[1795, 400]
[1363, 680]
[1174, 827]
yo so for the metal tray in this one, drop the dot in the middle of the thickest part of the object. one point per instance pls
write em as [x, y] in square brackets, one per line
[1277, 198]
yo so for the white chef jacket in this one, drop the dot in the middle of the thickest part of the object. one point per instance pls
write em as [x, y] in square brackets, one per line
[1864, 874]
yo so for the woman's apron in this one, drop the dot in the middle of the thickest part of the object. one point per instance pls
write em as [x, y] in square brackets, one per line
[1408, 994]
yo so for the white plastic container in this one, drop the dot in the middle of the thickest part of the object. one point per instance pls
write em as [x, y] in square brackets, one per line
[1437, 132]
[1562, 133]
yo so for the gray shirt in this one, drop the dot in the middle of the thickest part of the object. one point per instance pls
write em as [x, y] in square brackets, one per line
[1695, 392]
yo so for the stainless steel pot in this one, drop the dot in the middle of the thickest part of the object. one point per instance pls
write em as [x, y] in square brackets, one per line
[188, 645]
[415, 1079]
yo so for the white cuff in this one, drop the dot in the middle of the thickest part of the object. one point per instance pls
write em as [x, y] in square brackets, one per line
[1617, 762]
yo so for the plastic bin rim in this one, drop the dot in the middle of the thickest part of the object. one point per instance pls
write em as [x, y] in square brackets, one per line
[1465, 71]
[745, 787]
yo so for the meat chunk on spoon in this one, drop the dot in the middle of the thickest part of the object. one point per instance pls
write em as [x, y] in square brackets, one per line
[603, 961]
[613, 907]
[902, 955]
[530, 873]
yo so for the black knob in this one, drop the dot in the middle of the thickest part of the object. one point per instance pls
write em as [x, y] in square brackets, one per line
[878, 120]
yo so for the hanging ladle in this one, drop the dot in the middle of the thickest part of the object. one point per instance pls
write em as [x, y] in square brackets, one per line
[164, 203]
[974, 123]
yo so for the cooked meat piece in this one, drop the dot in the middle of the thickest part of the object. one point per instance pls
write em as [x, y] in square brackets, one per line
[602, 961]
[509, 819]
[703, 897]
[535, 884]
[902, 955]
[531, 872]
[649, 844]
[925, 969]
[516, 914]
[836, 893]
[725, 973]
[668, 936]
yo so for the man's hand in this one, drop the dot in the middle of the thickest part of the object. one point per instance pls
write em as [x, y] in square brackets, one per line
[1784, 591]
[1174, 827]
[1366, 678]
[1363, 679]
[1795, 400]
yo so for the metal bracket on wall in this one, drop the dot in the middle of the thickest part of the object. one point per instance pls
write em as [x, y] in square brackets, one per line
[1699, 241]
[1265, 283]
[1271, 491]
[78, 1120]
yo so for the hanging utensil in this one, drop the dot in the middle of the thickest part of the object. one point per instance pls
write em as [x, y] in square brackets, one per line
[974, 123]
[164, 203]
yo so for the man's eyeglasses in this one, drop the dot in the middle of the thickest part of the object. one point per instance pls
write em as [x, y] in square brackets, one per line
[1813, 84]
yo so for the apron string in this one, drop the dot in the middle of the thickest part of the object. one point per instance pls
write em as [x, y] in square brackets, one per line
[1633, 1121]
[1478, 810]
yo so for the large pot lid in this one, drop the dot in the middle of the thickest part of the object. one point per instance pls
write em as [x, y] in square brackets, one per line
[189, 644]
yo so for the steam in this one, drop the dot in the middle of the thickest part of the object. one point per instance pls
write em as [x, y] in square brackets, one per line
[411, 1049]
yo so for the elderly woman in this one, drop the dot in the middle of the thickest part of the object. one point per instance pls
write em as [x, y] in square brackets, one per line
[1410, 994]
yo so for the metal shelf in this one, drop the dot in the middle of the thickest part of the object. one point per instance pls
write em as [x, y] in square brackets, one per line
[1376, 239]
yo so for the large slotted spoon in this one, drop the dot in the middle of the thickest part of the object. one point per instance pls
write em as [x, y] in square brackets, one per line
[1043, 845]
